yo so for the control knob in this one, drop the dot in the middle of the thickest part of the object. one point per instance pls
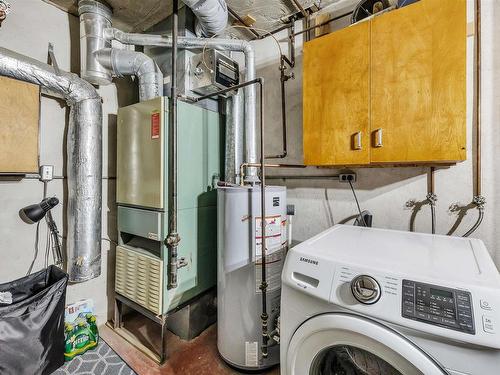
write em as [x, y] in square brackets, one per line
[365, 289]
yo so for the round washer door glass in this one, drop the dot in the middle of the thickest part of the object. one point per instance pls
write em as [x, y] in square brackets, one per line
[346, 344]
[349, 360]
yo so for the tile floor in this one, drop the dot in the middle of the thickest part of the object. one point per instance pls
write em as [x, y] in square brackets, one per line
[198, 356]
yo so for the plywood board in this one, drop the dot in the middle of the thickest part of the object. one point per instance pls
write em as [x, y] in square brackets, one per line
[19, 126]
[336, 97]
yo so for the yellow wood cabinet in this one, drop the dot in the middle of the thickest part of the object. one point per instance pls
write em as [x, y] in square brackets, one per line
[416, 101]
[336, 92]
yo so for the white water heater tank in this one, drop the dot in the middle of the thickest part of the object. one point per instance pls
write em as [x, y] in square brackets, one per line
[239, 299]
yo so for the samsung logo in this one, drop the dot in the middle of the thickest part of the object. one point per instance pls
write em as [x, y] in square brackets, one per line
[310, 261]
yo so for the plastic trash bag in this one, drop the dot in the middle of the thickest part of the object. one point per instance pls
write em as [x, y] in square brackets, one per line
[32, 323]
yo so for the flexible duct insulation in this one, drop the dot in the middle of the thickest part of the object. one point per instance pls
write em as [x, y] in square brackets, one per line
[221, 44]
[84, 148]
[211, 16]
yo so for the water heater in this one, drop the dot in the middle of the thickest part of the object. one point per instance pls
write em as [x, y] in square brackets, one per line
[239, 336]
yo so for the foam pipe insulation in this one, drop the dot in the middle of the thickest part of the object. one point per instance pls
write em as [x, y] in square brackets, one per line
[84, 149]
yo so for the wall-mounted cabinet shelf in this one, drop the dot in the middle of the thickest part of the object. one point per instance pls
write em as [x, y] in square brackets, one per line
[391, 90]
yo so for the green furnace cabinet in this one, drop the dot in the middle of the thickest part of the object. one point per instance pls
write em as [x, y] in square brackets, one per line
[142, 195]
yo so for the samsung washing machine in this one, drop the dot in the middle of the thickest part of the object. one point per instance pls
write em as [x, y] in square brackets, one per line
[380, 302]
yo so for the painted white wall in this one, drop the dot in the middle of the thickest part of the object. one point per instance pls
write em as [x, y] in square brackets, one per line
[28, 30]
[385, 191]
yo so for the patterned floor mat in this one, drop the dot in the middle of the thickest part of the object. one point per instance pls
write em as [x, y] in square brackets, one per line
[101, 360]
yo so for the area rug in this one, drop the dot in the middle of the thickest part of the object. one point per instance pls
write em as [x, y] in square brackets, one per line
[101, 360]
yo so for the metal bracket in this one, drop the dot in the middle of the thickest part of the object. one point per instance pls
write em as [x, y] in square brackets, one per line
[182, 262]
[53, 60]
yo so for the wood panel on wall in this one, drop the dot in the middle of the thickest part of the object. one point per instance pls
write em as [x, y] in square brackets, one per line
[19, 126]
[419, 82]
[336, 96]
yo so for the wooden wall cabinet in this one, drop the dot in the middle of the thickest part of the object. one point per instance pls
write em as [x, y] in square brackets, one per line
[19, 121]
[391, 90]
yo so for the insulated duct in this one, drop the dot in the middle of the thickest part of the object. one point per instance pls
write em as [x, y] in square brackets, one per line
[211, 16]
[84, 148]
[221, 44]
[100, 62]
[127, 63]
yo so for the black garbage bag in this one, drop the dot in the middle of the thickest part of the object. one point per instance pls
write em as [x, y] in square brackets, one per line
[32, 323]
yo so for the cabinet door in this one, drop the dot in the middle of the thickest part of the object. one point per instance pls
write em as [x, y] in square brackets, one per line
[418, 100]
[336, 97]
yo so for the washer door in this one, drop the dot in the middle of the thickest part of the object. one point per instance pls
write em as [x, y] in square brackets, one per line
[334, 344]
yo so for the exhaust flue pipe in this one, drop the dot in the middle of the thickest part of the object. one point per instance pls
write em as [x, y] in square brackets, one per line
[100, 63]
[84, 149]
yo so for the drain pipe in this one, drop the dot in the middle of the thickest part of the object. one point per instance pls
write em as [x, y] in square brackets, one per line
[222, 44]
[100, 63]
[84, 150]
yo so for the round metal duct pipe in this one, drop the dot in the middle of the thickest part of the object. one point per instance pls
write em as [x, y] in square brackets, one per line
[94, 19]
[84, 150]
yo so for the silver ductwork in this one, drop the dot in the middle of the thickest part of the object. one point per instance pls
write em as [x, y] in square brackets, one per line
[100, 63]
[234, 138]
[84, 148]
[211, 16]
[130, 63]
[94, 19]
[221, 44]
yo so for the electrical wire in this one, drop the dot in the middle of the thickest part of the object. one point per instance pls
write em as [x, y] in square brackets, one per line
[47, 246]
[36, 248]
[357, 203]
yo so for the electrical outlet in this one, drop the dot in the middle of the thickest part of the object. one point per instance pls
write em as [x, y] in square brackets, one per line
[46, 172]
[346, 177]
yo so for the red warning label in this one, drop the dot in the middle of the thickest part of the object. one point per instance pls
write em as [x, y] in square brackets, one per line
[155, 125]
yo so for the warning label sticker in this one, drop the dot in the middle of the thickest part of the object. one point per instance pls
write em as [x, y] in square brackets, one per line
[155, 125]
[273, 235]
[251, 351]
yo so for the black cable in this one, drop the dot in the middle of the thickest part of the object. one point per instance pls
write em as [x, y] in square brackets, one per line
[357, 203]
[36, 248]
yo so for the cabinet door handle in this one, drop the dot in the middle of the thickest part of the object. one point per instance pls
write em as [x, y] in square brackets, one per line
[378, 138]
[357, 141]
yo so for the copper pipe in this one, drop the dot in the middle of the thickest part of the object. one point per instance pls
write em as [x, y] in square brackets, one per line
[246, 165]
[477, 98]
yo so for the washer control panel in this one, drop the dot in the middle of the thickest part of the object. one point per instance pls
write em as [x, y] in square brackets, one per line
[449, 308]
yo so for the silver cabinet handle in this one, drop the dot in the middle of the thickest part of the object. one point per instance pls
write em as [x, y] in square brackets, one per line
[378, 138]
[357, 141]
